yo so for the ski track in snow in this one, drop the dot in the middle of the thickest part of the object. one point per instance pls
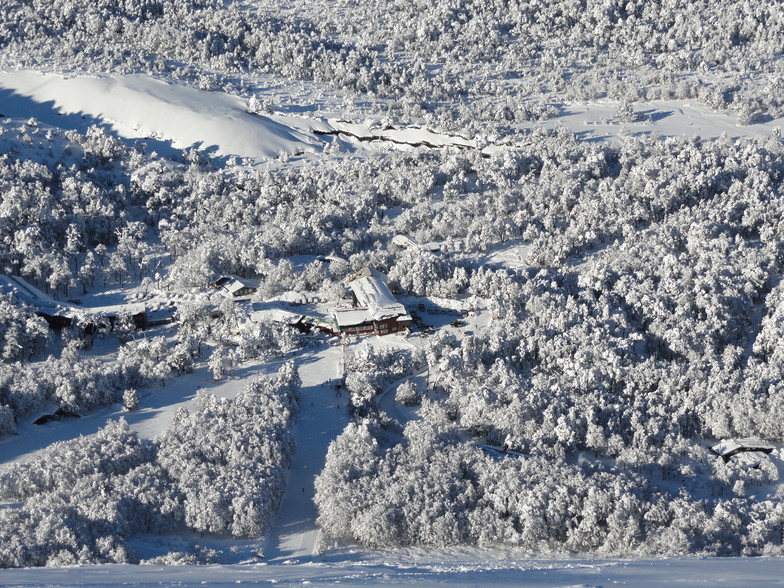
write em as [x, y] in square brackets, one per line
[323, 415]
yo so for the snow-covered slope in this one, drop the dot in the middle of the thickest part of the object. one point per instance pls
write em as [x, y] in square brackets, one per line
[323, 415]
[599, 121]
[139, 106]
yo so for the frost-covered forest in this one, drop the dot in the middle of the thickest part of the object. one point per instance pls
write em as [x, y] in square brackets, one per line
[219, 469]
[457, 61]
[615, 304]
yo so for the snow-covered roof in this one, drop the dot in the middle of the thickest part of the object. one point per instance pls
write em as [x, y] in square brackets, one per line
[730, 447]
[160, 315]
[233, 284]
[408, 243]
[276, 315]
[405, 242]
[350, 317]
[116, 309]
[328, 323]
[331, 258]
[31, 295]
[749, 459]
[45, 304]
[370, 288]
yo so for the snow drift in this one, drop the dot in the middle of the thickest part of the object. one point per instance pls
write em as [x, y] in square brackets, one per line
[137, 106]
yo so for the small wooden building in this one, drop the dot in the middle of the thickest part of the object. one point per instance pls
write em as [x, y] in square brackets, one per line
[749, 452]
[235, 286]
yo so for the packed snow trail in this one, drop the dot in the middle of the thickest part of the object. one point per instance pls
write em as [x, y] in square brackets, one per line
[323, 416]
[426, 569]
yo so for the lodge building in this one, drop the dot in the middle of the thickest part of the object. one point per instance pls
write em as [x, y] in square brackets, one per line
[374, 308]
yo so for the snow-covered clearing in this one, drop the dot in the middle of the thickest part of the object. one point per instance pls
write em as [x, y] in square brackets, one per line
[153, 416]
[598, 121]
[512, 254]
[323, 415]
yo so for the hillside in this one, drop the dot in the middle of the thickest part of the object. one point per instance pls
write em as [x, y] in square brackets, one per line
[573, 215]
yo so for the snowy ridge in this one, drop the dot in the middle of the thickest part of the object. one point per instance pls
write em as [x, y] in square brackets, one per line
[138, 106]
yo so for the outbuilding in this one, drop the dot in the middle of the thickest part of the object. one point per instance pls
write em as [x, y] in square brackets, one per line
[749, 452]
[235, 286]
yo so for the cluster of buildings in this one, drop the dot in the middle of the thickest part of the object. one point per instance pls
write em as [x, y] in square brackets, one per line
[373, 311]
[61, 314]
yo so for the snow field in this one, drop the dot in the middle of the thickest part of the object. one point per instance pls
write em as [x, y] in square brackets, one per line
[139, 106]
[142, 107]
[461, 569]
[323, 415]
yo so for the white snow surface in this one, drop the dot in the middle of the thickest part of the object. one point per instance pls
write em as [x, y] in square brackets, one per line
[138, 106]
[457, 568]
[597, 121]
[141, 107]
[371, 290]
[323, 416]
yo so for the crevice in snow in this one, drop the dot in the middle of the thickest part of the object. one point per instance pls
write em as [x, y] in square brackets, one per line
[386, 139]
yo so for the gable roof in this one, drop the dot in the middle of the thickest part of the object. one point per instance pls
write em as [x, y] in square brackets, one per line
[351, 317]
[275, 315]
[372, 293]
[233, 284]
[730, 447]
